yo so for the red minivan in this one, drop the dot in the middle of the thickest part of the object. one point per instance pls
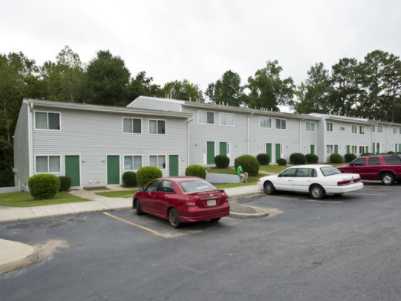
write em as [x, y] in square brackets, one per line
[386, 168]
[182, 200]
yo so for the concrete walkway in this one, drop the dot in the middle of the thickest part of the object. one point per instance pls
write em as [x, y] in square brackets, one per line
[14, 255]
[97, 203]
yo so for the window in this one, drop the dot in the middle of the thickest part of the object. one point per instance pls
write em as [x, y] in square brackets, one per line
[361, 130]
[332, 149]
[329, 171]
[342, 128]
[354, 149]
[47, 120]
[226, 119]
[281, 124]
[210, 117]
[132, 125]
[380, 128]
[392, 160]
[166, 186]
[157, 126]
[310, 125]
[305, 172]
[158, 161]
[373, 129]
[48, 164]
[196, 186]
[152, 187]
[399, 130]
[394, 130]
[329, 126]
[265, 122]
[358, 162]
[206, 117]
[373, 161]
[290, 172]
[354, 129]
[132, 162]
[361, 149]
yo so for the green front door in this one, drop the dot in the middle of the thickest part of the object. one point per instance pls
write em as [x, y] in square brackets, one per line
[269, 151]
[312, 149]
[72, 170]
[278, 151]
[223, 148]
[173, 165]
[113, 169]
[210, 152]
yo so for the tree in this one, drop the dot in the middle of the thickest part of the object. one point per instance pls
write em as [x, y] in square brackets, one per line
[183, 90]
[226, 90]
[64, 80]
[107, 80]
[313, 95]
[142, 85]
[267, 89]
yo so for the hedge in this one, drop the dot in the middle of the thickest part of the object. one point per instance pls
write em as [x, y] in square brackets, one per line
[43, 186]
[146, 174]
[282, 162]
[311, 158]
[249, 164]
[196, 171]
[65, 183]
[349, 157]
[297, 159]
[263, 159]
[222, 161]
[129, 179]
[336, 158]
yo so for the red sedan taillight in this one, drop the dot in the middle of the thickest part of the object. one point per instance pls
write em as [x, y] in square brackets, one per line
[344, 182]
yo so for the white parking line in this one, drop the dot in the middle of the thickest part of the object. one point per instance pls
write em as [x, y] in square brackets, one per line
[154, 232]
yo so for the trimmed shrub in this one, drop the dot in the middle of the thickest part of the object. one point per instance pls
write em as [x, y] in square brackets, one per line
[222, 161]
[248, 163]
[129, 179]
[196, 171]
[336, 158]
[263, 159]
[146, 174]
[282, 162]
[311, 158]
[65, 183]
[43, 186]
[297, 159]
[349, 157]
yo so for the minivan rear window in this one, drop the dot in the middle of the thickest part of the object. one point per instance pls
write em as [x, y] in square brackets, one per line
[196, 186]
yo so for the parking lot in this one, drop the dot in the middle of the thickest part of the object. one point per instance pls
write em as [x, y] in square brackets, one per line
[340, 248]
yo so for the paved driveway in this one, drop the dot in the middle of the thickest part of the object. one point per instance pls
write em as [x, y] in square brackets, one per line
[338, 249]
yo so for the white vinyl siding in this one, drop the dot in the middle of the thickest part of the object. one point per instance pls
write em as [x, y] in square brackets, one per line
[158, 161]
[47, 120]
[47, 164]
[132, 162]
[132, 125]
[157, 127]
[226, 119]
[310, 125]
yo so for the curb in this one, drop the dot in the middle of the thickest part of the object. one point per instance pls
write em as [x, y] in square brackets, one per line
[26, 260]
[260, 212]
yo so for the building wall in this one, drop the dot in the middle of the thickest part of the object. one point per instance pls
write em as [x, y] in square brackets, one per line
[94, 135]
[21, 149]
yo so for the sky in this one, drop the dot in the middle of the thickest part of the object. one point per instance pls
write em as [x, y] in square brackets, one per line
[199, 40]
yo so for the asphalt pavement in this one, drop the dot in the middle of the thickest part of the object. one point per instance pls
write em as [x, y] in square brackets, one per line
[341, 248]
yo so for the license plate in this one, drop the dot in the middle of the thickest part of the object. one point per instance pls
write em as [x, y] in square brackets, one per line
[211, 203]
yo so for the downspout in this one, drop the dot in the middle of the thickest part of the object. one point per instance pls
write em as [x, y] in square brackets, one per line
[300, 136]
[30, 151]
[188, 139]
[248, 135]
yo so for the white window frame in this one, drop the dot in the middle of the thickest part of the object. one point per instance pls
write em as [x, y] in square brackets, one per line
[280, 122]
[159, 155]
[329, 126]
[131, 133]
[310, 125]
[157, 127]
[48, 164]
[132, 155]
[354, 129]
[263, 120]
[361, 130]
[221, 115]
[47, 112]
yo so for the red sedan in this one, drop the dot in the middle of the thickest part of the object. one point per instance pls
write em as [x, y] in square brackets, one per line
[182, 200]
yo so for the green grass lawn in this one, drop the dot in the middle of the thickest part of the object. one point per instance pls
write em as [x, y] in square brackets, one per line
[272, 168]
[24, 199]
[228, 170]
[251, 181]
[117, 193]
